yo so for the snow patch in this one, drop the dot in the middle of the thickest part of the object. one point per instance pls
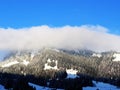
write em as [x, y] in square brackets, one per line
[97, 55]
[56, 50]
[10, 64]
[116, 57]
[101, 86]
[71, 73]
[2, 87]
[32, 55]
[49, 61]
[25, 62]
[42, 87]
[14, 62]
[38, 87]
[50, 67]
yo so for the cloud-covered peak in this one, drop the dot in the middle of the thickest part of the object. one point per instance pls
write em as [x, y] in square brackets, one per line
[90, 37]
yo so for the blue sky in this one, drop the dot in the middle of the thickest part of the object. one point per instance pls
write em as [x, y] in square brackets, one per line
[28, 13]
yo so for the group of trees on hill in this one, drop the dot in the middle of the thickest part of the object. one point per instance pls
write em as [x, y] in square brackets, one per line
[20, 82]
[89, 67]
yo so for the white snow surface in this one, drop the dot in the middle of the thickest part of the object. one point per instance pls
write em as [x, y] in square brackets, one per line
[41, 87]
[71, 73]
[25, 62]
[101, 86]
[2, 87]
[56, 50]
[10, 64]
[97, 55]
[48, 60]
[32, 55]
[46, 67]
[116, 57]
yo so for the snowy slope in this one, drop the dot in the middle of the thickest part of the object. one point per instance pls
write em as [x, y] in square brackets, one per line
[10, 64]
[116, 57]
[2, 87]
[25, 62]
[13, 63]
[101, 86]
[41, 87]
[71, 73]
[97, 55]
[47, 67]
[98, 85]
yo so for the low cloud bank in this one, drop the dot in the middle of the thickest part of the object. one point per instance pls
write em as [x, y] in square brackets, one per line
[90, 37]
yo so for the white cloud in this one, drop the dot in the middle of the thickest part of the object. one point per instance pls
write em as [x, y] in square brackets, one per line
[69, 37]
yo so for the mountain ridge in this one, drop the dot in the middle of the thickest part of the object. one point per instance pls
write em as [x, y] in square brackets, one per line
[85, 61]
[58, 65]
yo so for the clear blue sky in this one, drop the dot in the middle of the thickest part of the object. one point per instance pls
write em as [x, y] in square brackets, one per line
[27, 13]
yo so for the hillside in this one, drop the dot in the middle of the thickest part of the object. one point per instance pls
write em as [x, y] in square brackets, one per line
[57, 64]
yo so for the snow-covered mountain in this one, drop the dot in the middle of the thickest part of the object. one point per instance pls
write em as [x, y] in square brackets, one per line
[50, 64]
[49, 58]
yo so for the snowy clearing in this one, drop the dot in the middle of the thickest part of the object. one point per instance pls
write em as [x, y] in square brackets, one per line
[46, 67]
[116, 56]
[97, 55]
[71, 73]
[41, 87]
[101, 86]
[25, 62]
[10, 64]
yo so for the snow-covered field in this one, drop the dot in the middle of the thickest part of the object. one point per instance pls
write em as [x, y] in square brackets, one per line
[25, 62]
[71, 73]
[98, 85]
[10, 64]
[2, 87]
[41, 87]
[116, 57]
[47, 67]
[97, 55]
[101, 86]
